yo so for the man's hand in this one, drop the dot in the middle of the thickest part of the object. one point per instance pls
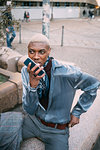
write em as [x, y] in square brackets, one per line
[74, 121]
[7, 29]
[33, 76]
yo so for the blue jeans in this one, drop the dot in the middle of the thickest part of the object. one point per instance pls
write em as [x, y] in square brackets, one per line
[10, 130]
[9, 38]
[54, 139]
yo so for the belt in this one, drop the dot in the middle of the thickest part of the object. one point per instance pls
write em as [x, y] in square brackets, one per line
[54, 125]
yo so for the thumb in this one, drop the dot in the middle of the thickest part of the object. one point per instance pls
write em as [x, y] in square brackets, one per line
[70, 125]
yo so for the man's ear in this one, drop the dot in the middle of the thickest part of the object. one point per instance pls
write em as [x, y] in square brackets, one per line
[49, 50]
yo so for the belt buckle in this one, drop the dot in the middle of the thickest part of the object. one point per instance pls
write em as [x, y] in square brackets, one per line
[55, 125]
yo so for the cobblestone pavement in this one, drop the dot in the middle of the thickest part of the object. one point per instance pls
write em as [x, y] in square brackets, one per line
[81, 44]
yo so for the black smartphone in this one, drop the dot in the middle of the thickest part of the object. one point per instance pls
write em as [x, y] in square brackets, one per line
[29, 60]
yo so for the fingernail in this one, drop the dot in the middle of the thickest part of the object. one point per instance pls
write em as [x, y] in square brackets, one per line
[38, 65]
[69, 125]
[42, 67]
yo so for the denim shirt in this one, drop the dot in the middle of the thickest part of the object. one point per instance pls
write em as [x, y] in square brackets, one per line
[65, 80]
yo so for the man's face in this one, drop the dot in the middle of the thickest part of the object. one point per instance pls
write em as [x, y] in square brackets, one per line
[38, 52]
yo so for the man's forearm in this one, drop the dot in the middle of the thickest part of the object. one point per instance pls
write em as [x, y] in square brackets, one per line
[84, 103]
[30, 101]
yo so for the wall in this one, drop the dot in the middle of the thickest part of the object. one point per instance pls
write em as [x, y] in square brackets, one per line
[36, 12]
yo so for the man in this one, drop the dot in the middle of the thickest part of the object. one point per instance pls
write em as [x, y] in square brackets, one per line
[10, 33]
[47, 99]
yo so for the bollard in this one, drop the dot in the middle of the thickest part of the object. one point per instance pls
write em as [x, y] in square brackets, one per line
[20, 33]
[62, 35]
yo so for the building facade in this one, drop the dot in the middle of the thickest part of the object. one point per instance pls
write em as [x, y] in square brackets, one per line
[56, 3]
[58, 8]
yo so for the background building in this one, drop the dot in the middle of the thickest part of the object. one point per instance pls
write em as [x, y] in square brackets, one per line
[57, 3]
[58, 8]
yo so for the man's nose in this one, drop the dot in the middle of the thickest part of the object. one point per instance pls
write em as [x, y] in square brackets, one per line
[36, 56]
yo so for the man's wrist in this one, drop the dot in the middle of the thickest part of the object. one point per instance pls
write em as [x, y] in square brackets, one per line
[33, 85]
[31, 88]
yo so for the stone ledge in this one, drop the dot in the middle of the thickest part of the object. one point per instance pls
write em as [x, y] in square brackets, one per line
[32, 144]
[20, 63]
[83, 135]
[10, 91]
[9, 59]
[8, 96]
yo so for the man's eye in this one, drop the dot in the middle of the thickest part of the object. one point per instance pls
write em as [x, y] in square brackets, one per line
[42, 52]
[31, 51]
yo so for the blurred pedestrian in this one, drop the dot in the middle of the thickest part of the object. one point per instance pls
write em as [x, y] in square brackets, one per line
[84, 13]
[9, 24]
[91, 14]
[27, 16]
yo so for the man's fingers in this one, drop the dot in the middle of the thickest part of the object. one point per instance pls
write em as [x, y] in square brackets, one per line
[28, 67]
[7, 29]
[41, 76]
[70, 125]
[37, 71]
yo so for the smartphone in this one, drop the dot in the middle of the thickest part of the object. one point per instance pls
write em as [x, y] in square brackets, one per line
[29, 60]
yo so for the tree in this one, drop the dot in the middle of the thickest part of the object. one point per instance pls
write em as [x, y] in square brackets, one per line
[2, 34]
[3, 2]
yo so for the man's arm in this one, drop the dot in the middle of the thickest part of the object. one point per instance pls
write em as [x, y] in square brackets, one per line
[30, 99]
[89, 85]
[30, 84]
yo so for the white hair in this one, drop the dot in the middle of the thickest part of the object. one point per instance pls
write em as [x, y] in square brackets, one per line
[40, 38]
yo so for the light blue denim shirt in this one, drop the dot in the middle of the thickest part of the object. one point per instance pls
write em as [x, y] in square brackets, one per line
[65, 80]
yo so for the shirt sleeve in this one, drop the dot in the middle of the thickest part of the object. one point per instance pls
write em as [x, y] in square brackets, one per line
[30, 99]
[89, 85]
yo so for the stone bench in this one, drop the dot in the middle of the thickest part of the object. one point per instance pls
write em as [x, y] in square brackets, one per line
[10, 91]
[9, 59]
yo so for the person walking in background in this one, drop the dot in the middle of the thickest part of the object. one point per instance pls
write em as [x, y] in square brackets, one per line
[25, 16]
[91, 14]
[84, 13]
[10, 32]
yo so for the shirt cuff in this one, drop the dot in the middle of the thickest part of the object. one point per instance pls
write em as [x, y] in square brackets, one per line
[76, 113]
[31, 89]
